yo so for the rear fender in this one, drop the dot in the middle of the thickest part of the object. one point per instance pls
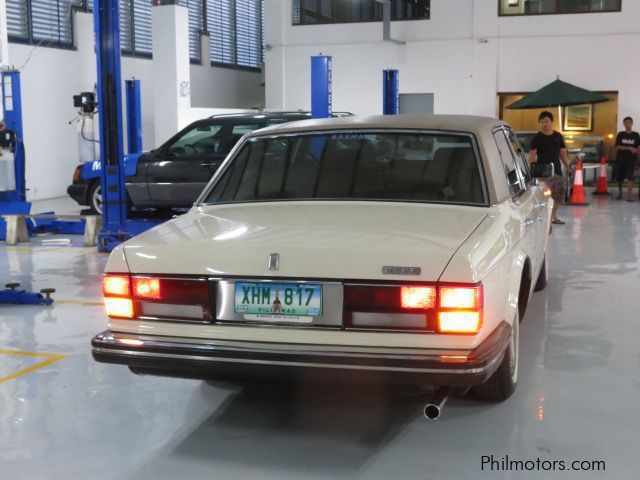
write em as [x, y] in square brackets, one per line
[518, 263]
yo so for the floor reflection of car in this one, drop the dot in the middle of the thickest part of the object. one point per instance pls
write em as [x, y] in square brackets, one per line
[173, 175]
[403, 246]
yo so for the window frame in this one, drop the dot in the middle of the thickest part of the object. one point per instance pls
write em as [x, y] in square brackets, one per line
[239, 148]
[356, 21]
[30, 40]
[517, 15]
[86, 7]
[202, 30]
[234, 33]
[519, 155]
[133, 53]
[521, 181]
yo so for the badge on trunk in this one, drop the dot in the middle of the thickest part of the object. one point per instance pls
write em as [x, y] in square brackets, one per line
[274, 261]
[393, 270]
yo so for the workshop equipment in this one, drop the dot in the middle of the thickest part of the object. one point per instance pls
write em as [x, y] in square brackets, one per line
[12, 294]
[13, 196]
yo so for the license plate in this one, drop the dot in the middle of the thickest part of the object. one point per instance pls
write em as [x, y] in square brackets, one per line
[278, 301]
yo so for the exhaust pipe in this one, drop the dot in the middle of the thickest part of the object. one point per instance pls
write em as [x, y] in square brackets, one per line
[433, 409]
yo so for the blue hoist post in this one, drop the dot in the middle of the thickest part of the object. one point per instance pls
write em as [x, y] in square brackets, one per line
[114, 196]
[321, 96]
[134, 116]
[390, 92]
[13, 197]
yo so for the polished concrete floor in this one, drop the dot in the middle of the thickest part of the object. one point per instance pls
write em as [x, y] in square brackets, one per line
[67, 417]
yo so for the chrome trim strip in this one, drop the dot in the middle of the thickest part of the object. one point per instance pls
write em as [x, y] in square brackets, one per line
[147, 318]
[280, 349]
[319, 349]
[188, 278]
[298, 364]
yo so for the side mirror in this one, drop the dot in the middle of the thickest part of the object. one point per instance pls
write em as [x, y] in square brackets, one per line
[542, 170]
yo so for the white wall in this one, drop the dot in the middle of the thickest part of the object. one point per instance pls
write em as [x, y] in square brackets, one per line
[228, 88]
[53, 75]
[464, 55]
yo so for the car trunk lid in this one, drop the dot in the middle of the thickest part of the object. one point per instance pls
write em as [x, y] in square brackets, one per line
[314, 239]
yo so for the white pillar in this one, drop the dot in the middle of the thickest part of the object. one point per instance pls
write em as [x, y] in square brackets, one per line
[171, 70]
[277, 17]
[4, 42]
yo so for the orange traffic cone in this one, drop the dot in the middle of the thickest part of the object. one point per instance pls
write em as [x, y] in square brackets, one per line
[602, 179]
[577, 194]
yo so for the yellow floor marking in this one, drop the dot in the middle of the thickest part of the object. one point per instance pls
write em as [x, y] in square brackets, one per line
[77, 302]
[50, 358]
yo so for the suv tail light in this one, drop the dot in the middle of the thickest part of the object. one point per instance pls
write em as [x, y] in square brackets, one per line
[440, 308]
[77, 173]
[157, 298]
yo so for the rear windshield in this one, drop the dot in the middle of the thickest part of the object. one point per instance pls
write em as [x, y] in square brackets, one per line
[423, 167]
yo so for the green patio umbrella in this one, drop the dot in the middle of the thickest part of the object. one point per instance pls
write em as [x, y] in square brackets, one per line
[558, 94]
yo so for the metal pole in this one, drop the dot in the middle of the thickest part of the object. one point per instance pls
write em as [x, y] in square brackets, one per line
[390, 92]
[107, 24]
[134, 116]
[321, 95]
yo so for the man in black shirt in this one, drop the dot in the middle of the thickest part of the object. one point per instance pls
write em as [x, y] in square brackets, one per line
[627, 149]
[548, 146]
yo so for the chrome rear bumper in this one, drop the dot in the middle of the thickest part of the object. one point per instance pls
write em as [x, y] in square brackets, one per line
[195, 358]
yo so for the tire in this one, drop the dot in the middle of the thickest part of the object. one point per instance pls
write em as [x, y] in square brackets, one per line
[504, 380]
[94, 197]
[543, 277]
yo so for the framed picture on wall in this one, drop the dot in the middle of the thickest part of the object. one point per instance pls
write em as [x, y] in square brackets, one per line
[514, 3]
[578, 118]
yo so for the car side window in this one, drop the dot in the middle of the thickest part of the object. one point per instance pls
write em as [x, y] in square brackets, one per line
[233, 135]
[518, 152]
[200, 140]
[515, 180]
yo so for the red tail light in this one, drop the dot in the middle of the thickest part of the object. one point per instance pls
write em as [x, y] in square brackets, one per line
[118, 285]
[117, 296]
[157, 298]
[418, 297]
[146, 288]
[437, 308]
[172, 298]
[460, 297]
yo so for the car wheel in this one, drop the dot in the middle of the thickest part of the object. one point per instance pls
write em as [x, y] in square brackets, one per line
[504, 380]
[543, 277]
[95, 197]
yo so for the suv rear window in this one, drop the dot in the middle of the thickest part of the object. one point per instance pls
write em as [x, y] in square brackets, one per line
[422, 167]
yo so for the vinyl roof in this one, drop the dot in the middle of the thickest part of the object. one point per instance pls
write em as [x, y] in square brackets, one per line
[461, 123]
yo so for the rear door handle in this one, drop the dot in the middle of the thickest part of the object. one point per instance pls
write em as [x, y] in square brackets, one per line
[208, 164]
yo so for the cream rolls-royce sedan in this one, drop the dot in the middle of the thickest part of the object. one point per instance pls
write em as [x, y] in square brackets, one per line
[408, 246]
